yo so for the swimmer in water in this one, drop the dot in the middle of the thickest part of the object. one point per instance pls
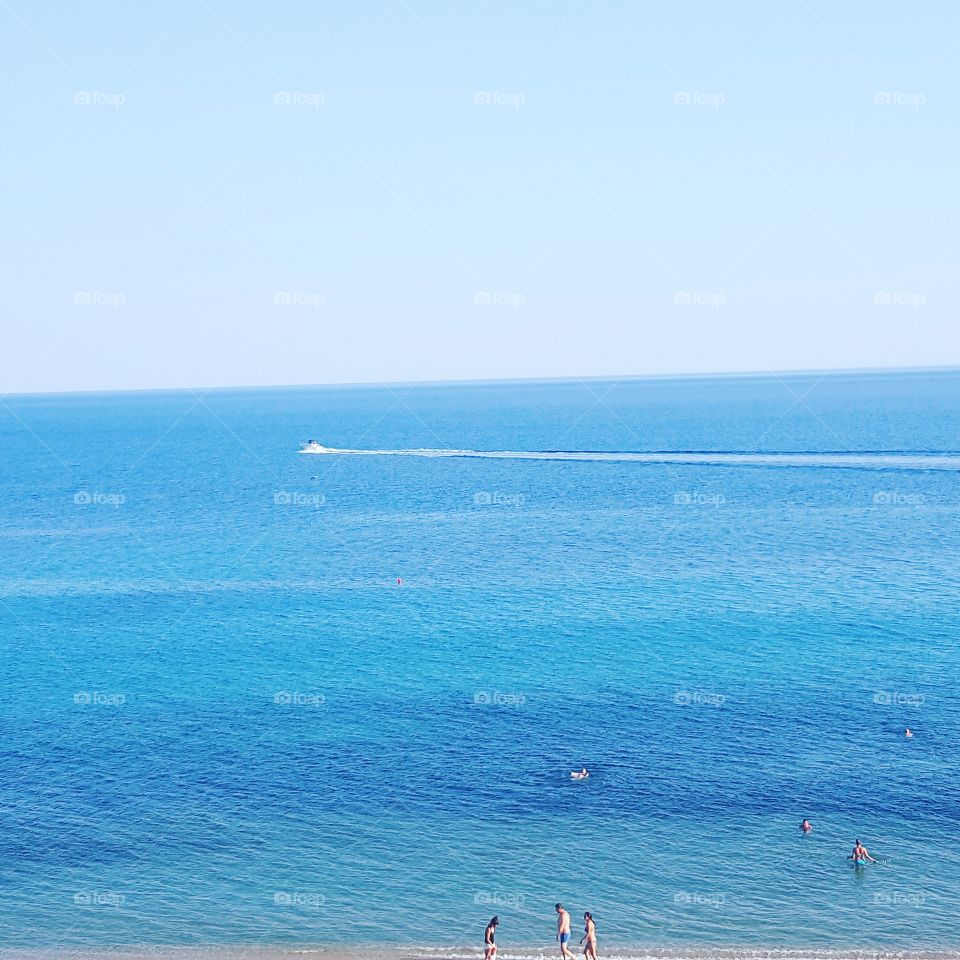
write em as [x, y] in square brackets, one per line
[580, 774]
[908, 733]
[860, 854]
[590, 935]
[490, 939]
[806, 826]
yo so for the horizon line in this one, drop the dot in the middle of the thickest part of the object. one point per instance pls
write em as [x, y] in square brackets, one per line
[492, 381]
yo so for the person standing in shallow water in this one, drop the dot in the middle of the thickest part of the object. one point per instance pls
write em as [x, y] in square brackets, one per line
[860, 854]
[590, 935]
[490, 939]
[563, 931]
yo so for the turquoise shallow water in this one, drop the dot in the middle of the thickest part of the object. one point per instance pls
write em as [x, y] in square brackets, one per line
[225, 722]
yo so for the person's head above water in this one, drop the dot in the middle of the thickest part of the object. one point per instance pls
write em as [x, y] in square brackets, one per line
[558, 907]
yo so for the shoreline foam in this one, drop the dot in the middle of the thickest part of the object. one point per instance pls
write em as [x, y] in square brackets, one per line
[464, 952]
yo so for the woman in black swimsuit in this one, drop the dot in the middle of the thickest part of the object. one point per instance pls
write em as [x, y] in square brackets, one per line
[590, 935]
[489, 939]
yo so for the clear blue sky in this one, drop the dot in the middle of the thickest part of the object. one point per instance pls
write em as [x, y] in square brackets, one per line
[447, 190]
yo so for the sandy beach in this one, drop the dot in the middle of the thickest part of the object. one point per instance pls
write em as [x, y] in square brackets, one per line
[519, 952]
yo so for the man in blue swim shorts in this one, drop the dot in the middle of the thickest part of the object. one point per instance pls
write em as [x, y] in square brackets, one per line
[563, 931]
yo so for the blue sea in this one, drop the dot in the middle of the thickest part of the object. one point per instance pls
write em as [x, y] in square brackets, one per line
[226, 722]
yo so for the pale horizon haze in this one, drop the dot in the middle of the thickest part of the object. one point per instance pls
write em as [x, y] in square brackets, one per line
[204, 194]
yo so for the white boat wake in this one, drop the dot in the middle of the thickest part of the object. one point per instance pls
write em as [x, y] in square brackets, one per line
[874, 460]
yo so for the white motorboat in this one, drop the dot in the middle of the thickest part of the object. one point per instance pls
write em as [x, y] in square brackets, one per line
[314, 447]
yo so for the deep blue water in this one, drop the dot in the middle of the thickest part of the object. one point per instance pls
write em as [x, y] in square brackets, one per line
[728, 648]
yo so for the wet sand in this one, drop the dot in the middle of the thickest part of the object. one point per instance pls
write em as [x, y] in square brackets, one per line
[517, 952]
